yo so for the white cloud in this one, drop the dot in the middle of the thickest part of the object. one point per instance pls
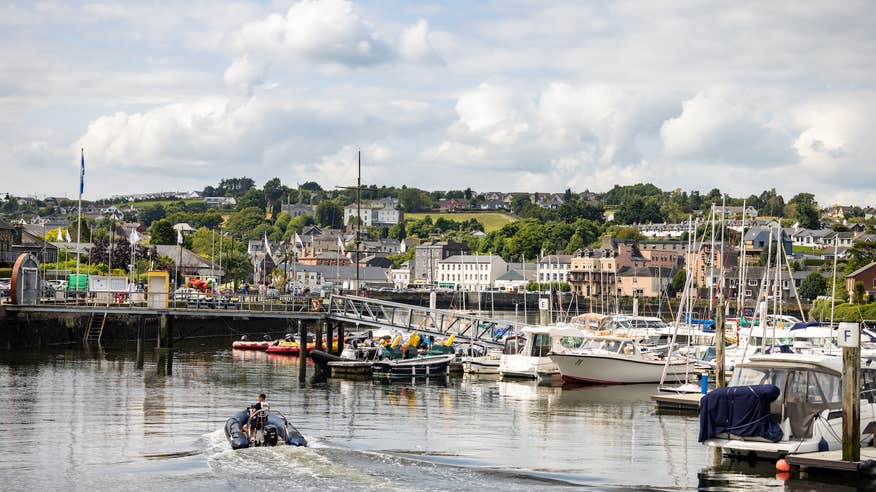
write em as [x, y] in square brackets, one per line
[318, 31]
[712, 128]
[414, 44]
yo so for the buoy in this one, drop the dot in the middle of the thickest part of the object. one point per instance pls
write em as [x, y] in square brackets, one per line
[783, 476]
[783, 466]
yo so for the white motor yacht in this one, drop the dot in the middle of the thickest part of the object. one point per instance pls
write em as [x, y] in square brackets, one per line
[617, 360]
[526, 356]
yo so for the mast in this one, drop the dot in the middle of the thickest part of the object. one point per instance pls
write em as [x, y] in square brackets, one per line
[358, 215]
[833, 291]
[79, 219]
[712, 264]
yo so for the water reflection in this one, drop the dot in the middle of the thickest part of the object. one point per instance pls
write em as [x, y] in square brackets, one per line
[94, 420]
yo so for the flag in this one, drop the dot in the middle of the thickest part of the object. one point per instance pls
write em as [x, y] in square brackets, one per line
[179, 239]
[67, 232]
[82, 175]
[402, 247]
[134, 236]
[340, 244]
[267, 246]
[298, 242]
[60, 235]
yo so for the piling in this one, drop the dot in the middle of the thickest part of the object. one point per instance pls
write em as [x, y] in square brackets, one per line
[849, 338]
[302, 351]
[340, 339]
[329, 337]
[318, 336]
[165, 331]
[720, 380]
[141, 341]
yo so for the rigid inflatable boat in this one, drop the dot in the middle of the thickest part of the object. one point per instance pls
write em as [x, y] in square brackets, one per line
[272, 429]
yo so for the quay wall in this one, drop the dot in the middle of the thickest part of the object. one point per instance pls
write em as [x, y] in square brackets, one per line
[35, 330]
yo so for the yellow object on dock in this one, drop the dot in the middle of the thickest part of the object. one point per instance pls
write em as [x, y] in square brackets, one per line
[414, 340]
[450, 340]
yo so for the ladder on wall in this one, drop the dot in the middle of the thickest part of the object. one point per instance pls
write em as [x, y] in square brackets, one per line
[94, 331]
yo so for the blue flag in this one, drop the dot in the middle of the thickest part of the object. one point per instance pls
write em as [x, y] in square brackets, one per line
[82, 174]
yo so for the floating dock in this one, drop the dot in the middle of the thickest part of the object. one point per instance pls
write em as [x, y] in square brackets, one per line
[833, 461]
[689, 402]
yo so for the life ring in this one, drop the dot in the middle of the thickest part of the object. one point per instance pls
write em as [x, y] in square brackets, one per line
[315, 305]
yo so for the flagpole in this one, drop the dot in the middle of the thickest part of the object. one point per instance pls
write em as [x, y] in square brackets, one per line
[79, 219]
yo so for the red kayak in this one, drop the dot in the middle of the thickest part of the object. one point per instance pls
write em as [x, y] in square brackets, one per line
[293, 348]
[250, 345]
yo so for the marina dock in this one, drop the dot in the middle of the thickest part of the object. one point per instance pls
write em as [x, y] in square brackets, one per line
[688, 402]
[833, 461]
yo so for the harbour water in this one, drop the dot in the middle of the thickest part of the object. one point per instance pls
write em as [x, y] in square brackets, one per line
[80, 420]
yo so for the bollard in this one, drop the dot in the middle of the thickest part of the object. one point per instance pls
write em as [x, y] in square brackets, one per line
[302, 352]
[704, 383]
[849, 338]
[340, 339]
[165, 331]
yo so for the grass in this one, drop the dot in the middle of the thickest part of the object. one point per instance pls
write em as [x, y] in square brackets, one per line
[805, 249]
[491, 220]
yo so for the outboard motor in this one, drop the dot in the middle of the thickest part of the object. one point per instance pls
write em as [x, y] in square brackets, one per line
[270, 435]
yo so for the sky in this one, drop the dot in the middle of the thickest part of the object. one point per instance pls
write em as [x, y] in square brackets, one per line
[497, 96]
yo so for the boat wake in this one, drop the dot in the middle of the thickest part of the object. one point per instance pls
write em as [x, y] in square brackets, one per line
[328, 467]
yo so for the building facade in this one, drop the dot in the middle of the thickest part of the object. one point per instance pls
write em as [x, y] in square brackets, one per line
[470, 272]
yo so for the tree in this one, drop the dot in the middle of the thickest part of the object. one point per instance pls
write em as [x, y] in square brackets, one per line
[398, 231]
[329, 214]
[414, 200]
[252, 198]
[860, 254]
[273, 191]
[628, 233]
[162, 232]
[804, 209]
[148, 215]
[812, 286]
[678, 281]
[858, 293]
[243, 224]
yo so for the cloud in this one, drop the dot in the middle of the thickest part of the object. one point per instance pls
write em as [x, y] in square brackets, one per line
[712, 128]
[319, 31]
[414, 44]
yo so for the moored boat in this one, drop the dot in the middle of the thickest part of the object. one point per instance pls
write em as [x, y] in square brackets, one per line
[615, 360]
[526, 355]
[246, 344]
[431, 365]
[778, 404]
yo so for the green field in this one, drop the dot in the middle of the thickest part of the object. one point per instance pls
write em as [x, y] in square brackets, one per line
[491, 220]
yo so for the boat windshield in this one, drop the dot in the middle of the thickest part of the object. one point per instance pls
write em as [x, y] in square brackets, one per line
[541, 345]
[796, 385]
[571, 342]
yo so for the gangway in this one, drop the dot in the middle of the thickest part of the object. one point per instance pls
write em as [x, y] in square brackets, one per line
[438, 322]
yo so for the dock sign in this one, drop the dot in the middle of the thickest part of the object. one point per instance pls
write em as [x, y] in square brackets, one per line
[849, 335]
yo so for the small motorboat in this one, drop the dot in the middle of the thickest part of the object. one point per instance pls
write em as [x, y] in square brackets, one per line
[246, 344]
[272, 429]
[432, 365]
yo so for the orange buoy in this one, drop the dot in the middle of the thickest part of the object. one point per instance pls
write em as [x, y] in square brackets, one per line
[783, 466]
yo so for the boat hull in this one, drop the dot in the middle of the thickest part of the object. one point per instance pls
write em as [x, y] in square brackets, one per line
[238, 439]
[342, 368]
[613, 369]
[480, 365]
[250, 345]
[438, 365]
[526, 367]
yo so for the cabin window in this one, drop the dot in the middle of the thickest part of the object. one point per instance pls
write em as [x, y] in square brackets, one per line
[541, 345]
[571, 342]
[868, 385]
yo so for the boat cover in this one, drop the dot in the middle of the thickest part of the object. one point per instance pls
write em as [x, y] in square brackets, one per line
[741, 411]
[804, 324]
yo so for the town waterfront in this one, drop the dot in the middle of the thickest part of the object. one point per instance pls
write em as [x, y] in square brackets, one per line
[90, 420]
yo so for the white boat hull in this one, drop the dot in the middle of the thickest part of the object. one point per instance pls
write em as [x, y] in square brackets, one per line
[480, 365]
[528, 367]
[613, 369]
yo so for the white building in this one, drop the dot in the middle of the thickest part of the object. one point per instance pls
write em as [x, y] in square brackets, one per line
[554, 268]
[400, 277]
[220, 200]
[382, 212]
[470, 272]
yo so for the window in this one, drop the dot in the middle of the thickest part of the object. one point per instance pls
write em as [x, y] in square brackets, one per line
[752, 283]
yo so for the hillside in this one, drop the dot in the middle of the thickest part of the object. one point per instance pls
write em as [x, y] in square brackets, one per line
[491, 220]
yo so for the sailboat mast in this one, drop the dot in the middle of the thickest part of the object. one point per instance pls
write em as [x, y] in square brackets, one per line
[358, 216]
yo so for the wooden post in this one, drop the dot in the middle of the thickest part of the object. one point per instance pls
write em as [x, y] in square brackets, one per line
[329, 337]
[340, 339]
[318, 336]
[165, 331]
[719, 343]
[849, 338]
[141, 341]
[302, 351]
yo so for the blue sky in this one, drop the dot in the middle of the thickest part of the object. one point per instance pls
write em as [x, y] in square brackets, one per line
[512, 95]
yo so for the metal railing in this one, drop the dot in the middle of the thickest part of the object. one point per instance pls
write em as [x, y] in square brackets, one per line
[440, 322]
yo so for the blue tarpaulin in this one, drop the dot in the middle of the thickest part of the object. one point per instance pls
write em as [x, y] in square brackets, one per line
[739, 410]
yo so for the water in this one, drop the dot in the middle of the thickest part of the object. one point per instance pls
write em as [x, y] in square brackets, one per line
[93, 421]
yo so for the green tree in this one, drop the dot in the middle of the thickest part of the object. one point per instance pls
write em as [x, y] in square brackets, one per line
[398, 231]
[858, 293]
[678, 280]
[812, 286]
[804, 209]
[162, 232]
[148, 215]
[243, 224]
[273, 189]
[860, 255]
[252, 198]
[329, 214]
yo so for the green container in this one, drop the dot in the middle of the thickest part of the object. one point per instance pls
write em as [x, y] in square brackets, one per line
[77, 282]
